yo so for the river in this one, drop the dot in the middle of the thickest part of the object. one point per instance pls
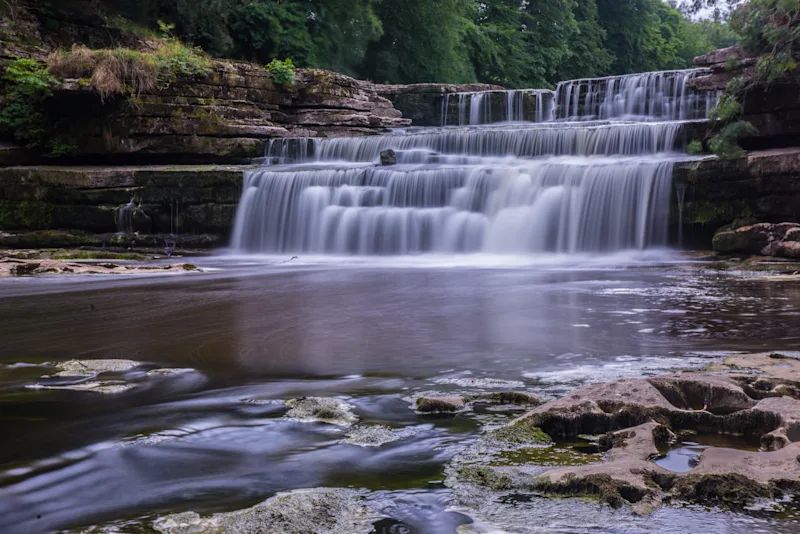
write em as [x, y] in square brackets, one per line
[256, 331]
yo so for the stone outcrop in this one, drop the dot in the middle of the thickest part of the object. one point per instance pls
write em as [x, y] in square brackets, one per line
[763, 186]
[87, 202]
[724, 65]
[225, 117]
[765, 239]
[774, 110]
[751, 395]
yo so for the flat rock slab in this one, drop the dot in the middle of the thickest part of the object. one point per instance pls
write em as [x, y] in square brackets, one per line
[753, 395]
[14, 267]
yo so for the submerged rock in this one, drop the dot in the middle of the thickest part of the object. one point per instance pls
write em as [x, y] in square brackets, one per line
[108, 388]
[321, 409]
[439, 404]
[312, 511]
[377, 435]
[507, 397]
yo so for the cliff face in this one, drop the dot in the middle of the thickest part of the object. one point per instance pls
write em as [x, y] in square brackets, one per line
[774, 110]
[225, 117]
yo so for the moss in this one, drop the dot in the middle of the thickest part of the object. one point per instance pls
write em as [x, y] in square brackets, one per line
[49, 239]
[436, 405]
[606, 489]
[558, 455]
[97, 255]
[731, 490]
[520, 434]
[25, 215]
[484, 476]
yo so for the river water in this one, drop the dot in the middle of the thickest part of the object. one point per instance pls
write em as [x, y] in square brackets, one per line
[374, 332]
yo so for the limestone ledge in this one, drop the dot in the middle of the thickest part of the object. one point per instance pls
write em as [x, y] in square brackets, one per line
[756, 395]
[166, 200]
[763, 186]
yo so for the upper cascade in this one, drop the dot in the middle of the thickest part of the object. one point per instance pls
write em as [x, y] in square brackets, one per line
[584, 169]
[652, 96]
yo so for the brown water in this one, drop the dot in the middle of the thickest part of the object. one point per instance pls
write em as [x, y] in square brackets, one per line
[372, 333]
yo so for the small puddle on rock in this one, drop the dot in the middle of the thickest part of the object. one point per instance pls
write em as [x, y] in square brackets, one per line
[684, 455]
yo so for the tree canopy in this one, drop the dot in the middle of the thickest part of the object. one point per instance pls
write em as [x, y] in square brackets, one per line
[516, 43]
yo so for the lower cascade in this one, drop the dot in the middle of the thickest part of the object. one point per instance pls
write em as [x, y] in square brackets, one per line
[566, 185]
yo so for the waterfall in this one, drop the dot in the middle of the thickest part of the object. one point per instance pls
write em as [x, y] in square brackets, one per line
[487, 107]
[585, 169]
[660, 96]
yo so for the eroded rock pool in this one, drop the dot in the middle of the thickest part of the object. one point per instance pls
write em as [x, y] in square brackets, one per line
[202, 408]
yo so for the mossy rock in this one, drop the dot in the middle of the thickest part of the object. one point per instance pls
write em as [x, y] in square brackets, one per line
[485, 476]
[520, 434]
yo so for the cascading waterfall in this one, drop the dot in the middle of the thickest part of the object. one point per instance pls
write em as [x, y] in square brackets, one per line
[651, 96]
[576, 178]
[487, 107]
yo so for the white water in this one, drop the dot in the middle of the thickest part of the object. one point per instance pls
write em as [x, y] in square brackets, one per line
[470, 109]
[573, 179]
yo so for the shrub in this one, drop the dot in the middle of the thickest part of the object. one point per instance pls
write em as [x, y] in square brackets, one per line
[25, 85]
[126, 71]
[175, 60]
[695, 148]
[282, 72]
[726, 143]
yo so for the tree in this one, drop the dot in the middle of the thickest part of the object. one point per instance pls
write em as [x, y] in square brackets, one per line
[422, 41]
[588, 55]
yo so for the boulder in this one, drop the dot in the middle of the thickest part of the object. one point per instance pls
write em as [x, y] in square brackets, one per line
[440, 404]
[765, 239]
[388, 157]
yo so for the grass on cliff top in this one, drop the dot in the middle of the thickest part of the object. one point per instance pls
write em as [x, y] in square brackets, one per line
[125, 71]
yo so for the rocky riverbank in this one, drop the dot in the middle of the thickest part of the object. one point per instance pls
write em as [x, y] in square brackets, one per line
[615, 443]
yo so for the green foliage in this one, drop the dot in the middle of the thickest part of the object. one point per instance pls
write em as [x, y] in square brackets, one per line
[165, 28]
[24, 87]
[282, 72]
[726, 143]
[726, 110]
[29, 76]
[516, 43]
[174, 60]
[695, 147]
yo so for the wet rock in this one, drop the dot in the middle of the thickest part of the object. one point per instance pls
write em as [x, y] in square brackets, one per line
[376, 435]
[12, 267]
[170, 372]
[388, 157]
[506, 397]
[94, 367]
[314, 511]
[321, 409]
[104, 387]
[780, 240]
[519, 433]
[440, 404]
[640, 415]
[484, 476]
